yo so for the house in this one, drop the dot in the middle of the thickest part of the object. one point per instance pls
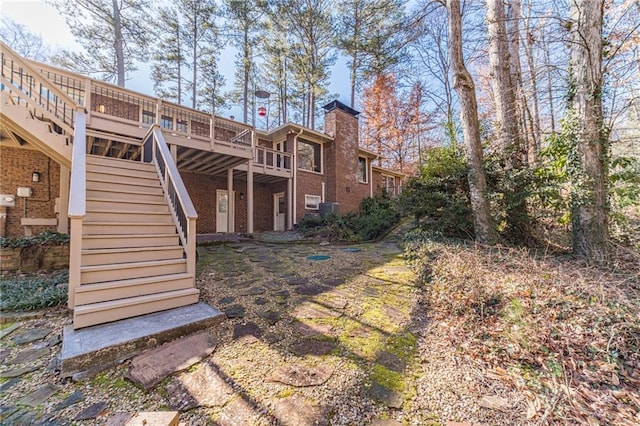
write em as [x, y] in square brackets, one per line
[128, 175]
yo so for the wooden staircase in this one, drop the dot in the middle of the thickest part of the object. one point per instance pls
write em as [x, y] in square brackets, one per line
[132, 261]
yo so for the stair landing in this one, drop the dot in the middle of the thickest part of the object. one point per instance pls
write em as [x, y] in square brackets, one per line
[90, 350]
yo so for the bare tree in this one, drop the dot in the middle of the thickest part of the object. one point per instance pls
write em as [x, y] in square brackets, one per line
[23, 41]
[465, 87]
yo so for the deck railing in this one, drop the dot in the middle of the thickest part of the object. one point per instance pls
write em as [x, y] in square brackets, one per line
[105, 100]
[272, 159]
[155, 150]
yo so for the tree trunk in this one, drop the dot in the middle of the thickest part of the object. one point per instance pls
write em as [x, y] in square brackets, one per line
[246, 72]
[508, 119]
[464, 86]
[194, 64]
[589, 201]
[547, 56]
[118, 44]
[533, 78]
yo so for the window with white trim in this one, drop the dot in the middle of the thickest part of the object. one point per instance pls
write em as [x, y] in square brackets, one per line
[389, 183]
[363, 170]
[312, 202]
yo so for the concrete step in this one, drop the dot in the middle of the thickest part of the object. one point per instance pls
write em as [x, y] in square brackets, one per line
[126, 228]
[128, 202]
[106, 256]
[130, 240]
[113, 310]
[134, 287]
[122, 271]
[129, 215]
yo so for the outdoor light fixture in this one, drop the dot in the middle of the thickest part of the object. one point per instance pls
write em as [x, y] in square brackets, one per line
[262, 111]
[102, 109]
[35, 177]
[242, 195]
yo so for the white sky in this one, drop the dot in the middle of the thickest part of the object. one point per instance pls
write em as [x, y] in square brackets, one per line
[41, 18]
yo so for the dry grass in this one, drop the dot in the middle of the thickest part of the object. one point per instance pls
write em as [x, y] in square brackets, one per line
[563, 334]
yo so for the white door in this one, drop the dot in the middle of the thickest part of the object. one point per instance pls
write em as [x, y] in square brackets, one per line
[279, 211]
[223, 209]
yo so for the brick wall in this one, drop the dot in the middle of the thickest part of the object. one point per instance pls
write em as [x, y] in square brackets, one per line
[310, 184]
[16, 168]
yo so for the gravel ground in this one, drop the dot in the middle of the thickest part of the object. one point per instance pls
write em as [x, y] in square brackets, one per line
[342, 341]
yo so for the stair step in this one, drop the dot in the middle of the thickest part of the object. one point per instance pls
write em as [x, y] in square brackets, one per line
[108, 177]
[126, 228]
[98, 313]
[114, 290]
[123, 271]
[129, 241]
[128, 216]
[91, 257]
[98, 160]
[117, 171]
[125, 193]
[124, 186]
[132, 204]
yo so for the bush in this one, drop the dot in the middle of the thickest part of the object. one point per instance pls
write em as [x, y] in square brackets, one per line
[47, 238]
[441, 192]
[376, 216]
[31, 293]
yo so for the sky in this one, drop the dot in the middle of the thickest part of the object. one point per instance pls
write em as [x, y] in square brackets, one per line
[41, 18]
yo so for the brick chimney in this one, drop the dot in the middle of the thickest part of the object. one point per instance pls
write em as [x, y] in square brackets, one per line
[341, 156]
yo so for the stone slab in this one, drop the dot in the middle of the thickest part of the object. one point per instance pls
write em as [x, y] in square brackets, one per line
[200, 388]
[301, 375]
[17, 372]
[238, 412]
[155, 418]
[92, 411]
[7, 331]
[90, 350]
[28, 356]
[38, 396]
[152, 366]
[32, 335]
[297, 411]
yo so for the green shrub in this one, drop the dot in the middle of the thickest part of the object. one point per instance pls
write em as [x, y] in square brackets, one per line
[35, 292]
[330, 227]
[47, 238]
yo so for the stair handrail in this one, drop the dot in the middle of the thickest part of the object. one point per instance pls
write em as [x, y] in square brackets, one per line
[61, 100]
[77, 203]
[155, 150]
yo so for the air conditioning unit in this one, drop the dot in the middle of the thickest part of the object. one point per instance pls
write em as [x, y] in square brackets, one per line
[329, 208]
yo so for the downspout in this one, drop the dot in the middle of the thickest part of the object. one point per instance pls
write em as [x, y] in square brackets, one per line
[295, 176]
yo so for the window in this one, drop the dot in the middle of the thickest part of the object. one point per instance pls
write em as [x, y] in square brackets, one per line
[362, 170]
[148, 117]
[311, 202]
[389, 184]
[309, 156]
[166, 122]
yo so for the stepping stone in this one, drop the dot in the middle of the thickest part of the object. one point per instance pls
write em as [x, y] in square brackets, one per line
[297, 411]
[260, 301]
[312, 310]
[351, 250]
[53, 341]
[334, 302]
[311, 329]
[92, 411]
[200, 388]
[302, 375]
[119, 419]
[395, 315]
[271, 317]
[4, 353]
[17, 372]
[312, 347]
[156, 418]
[74, 398]
[371, 291]
[273, 285]
[334, 282]
[29, 355]
[7, 331]
[391, 361]
[248, 329]
[298, 281]
[282, 294]
[152, 366]
[311, 289]
[317, 257]
[22, 416]
[388, 397]
[226, 300]
[32, 336]
[272, 337]
[253, 291]
[39, 396]
[235, 311]
[8, 384]
[238, 412]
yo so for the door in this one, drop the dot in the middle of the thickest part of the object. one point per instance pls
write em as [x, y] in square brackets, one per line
[223, 208]
[279, 211]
